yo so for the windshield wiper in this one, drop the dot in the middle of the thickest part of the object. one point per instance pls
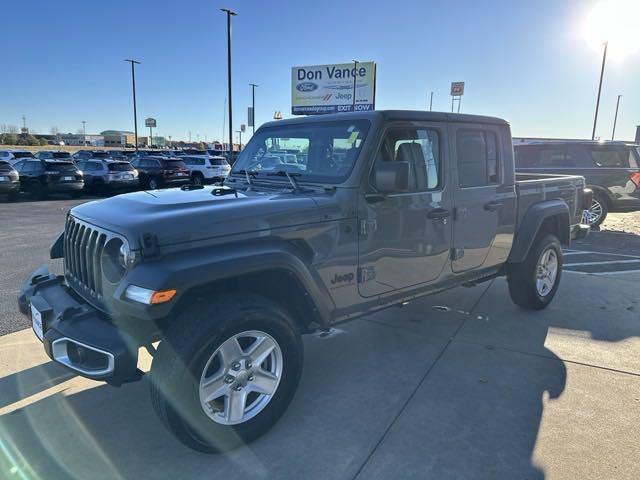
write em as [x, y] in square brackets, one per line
[290, 176]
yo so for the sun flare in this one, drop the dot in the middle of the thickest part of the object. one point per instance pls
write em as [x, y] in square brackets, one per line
[616, 22]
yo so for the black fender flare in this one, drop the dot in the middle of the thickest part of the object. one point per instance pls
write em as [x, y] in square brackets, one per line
[530, 225]
[194, 269]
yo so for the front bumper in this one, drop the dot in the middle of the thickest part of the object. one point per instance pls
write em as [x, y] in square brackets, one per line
[77, 335]
[579, 231]
[9, 187]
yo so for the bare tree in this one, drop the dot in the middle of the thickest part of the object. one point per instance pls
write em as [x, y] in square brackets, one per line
[54, 130]
[11, 129]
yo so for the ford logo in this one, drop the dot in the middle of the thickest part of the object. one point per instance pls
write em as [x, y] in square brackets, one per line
[306, 87]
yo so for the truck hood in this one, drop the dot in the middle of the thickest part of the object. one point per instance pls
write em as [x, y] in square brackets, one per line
[178, 216]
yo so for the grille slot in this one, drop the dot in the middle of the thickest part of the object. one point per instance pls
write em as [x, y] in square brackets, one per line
[83, 246]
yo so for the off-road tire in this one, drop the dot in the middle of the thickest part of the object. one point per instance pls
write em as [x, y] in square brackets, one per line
[521, 277]
[194, 336]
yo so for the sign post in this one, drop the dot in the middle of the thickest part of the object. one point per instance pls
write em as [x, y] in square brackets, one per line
[457, 90]
[151, 123]
[344, 87]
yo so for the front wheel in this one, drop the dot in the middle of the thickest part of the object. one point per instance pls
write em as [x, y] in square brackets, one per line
[534, 282]
[227, 372]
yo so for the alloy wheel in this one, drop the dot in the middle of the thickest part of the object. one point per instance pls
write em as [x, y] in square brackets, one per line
[241, 377]
[546, 272]
[594, 213]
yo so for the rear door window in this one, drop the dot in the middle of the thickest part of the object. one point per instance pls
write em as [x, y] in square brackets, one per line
[608, 157]
[478, 157]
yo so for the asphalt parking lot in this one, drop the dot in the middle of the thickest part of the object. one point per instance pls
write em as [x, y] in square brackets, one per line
[459, 385]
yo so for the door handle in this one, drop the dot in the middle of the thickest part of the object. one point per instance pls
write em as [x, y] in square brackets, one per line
[438, 214]
[492, 206]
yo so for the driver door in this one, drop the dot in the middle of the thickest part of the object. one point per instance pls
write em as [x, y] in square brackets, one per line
[405, 235]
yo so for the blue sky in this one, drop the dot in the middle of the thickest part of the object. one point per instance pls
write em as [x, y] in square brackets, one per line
[525, 61]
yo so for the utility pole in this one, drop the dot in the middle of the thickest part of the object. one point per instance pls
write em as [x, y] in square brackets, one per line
[84, 133]
[355, 68]
[615, 119]
[253, 106]
[135, 112]
[595, 118]
[229, 13]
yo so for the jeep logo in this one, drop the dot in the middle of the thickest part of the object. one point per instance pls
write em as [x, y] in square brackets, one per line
[347, 277]
[306, 87]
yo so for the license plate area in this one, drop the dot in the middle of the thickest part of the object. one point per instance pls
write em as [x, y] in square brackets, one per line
[36, 322]
[67, 179]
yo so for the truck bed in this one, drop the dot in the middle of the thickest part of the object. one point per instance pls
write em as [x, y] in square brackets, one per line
[534, 187]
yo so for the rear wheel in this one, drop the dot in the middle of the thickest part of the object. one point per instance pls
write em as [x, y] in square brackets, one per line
[598, 210]
[227, 372]
[153, 183]
[197, 179]
[534, 282]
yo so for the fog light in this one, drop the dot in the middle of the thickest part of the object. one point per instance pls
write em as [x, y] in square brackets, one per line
[147, 296]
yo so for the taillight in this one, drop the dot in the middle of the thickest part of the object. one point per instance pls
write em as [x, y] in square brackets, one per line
[587, 198]
[635, 178]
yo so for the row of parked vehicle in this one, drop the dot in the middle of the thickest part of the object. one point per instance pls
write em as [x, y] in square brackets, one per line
[611, 170]
[103, 172]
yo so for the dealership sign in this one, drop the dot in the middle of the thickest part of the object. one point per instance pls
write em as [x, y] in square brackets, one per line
[150, 122]
[322, 89]
[457, 89]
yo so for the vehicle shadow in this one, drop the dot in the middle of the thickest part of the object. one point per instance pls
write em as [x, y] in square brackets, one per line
[31, 381]
[384, 399]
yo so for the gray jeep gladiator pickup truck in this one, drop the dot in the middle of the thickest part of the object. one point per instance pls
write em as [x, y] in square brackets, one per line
[321, 220]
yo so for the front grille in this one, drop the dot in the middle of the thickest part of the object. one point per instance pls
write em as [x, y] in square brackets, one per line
[83, 245]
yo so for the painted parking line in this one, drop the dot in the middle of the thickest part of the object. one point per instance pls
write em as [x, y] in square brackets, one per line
[590, 262]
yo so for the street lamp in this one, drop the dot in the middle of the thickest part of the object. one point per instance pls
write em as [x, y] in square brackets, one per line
[615, 119]
[253, 106]
[135, 113]
[84, 133]
[239, 132]
[595, 118]
[229, 13]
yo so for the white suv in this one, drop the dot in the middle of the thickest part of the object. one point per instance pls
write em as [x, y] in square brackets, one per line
[205, 169]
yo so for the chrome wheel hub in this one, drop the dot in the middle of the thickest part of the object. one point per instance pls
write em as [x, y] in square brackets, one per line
[241, 377]
[546, 272]
[594, 213]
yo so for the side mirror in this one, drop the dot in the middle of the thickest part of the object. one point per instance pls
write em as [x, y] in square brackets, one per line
[392, 177]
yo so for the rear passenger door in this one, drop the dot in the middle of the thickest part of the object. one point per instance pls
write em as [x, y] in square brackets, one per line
[484, 196]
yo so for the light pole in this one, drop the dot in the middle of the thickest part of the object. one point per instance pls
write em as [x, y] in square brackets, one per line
[253, 106]
[84, 133]
[355, 68]
[135, 112]
[239, 132]
[229, 13]
[431, 103]
[615, 119]
[595, 118]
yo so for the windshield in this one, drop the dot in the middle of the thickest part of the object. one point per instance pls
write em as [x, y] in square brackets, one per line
[323, 152]
[218, 161]
[174, 164]
[61, 155]
[61, 167]
[22, 155]
[120, 167]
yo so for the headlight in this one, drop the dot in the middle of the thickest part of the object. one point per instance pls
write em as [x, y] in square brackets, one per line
[117, 257]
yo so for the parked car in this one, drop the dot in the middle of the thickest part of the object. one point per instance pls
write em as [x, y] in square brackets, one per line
[42, 177]
[19, 155]
[205, 169]
[227, 278]
[9, 181]
[157, 172]
[53, 155]
[6, 156]
[611, 170]
[108, 176]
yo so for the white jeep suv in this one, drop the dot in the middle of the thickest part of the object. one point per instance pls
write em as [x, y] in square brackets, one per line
[206, 169]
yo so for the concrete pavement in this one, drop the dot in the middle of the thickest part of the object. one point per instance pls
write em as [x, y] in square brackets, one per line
[459, 385]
